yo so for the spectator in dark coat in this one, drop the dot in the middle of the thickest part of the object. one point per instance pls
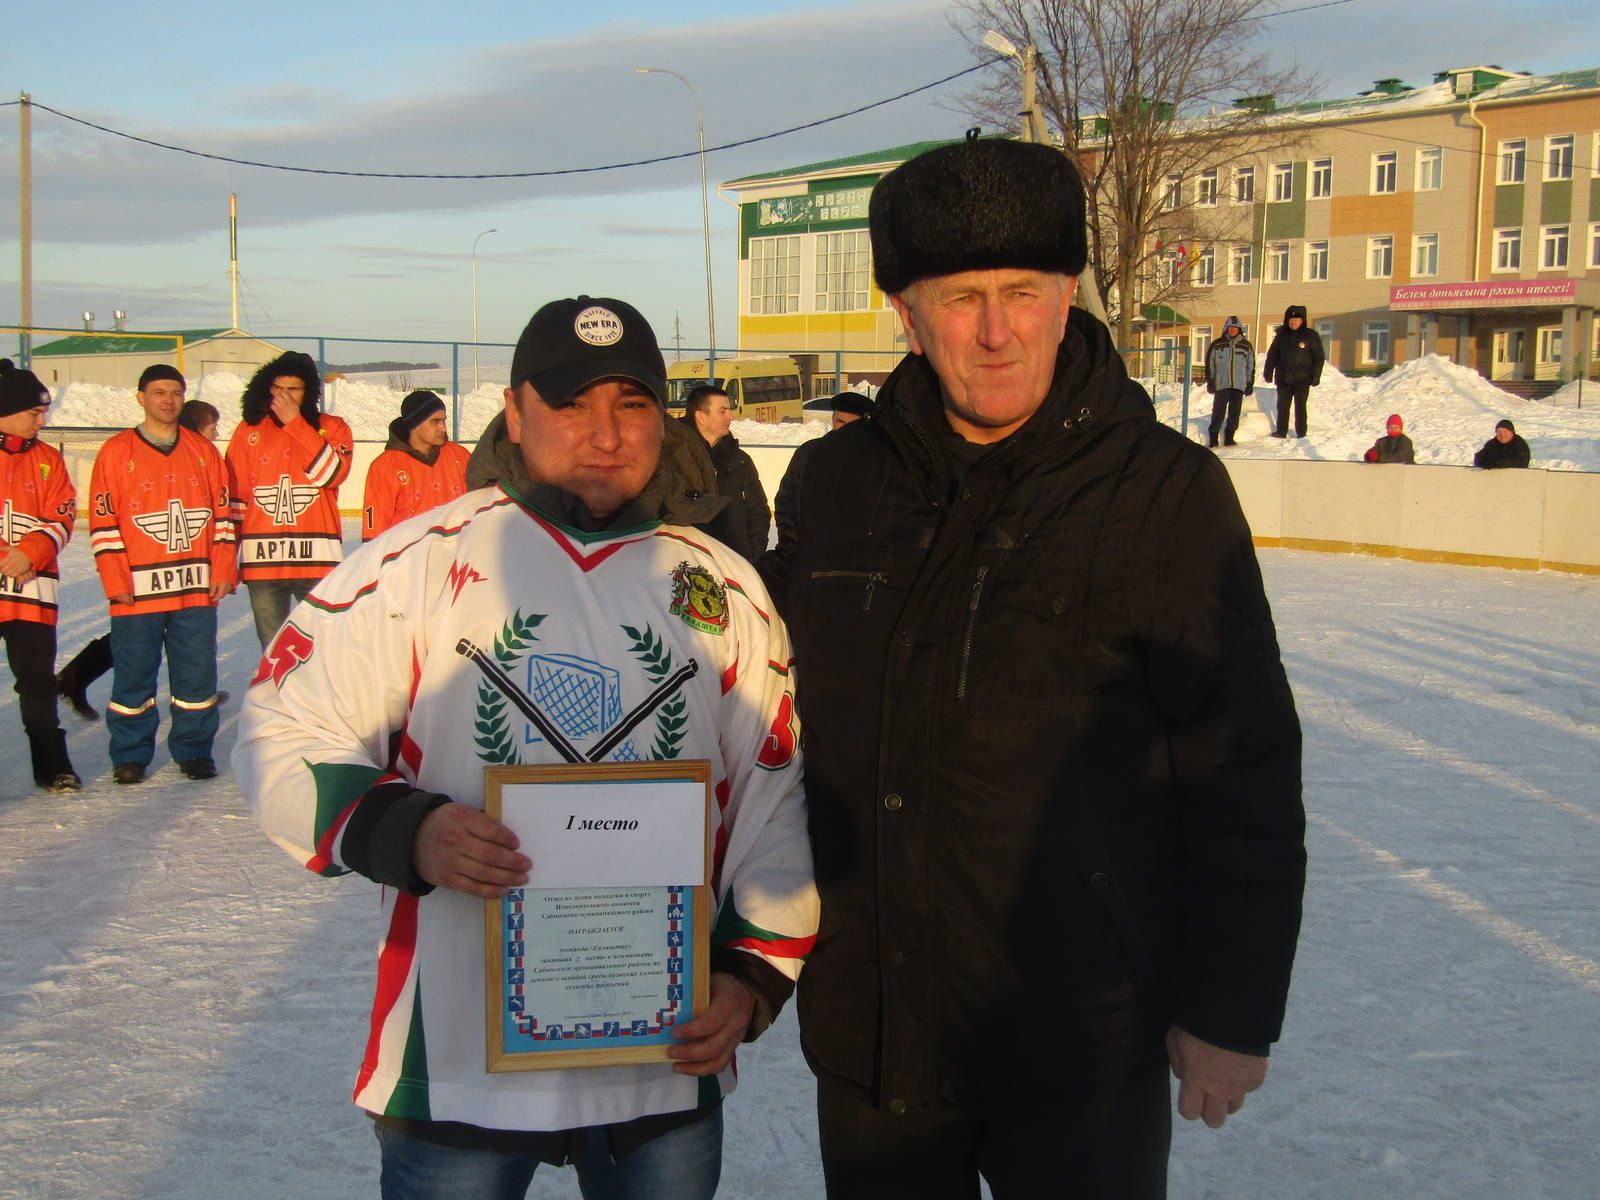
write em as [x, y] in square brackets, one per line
[709, 412]
[1396, 447]
[1294, 361]
[1230, 377]
[1505, 449]
[848, 408]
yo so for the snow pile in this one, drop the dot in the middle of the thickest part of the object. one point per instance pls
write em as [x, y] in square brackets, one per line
[1449, 411]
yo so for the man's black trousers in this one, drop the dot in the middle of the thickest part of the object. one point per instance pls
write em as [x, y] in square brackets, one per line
[1298, 393]
[1112, 1146]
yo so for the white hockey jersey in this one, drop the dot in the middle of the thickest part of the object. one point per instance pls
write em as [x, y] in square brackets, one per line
[384, 673]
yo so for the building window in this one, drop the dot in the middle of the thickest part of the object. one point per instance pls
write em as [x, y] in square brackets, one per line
[1316, 261]
[774, 275]
[1375, 342]
[1380, 257]
[1172, 192]
[1508, 250]
[1425, 254]
[1321, 178]
[1199, 343]
[1325, 332]
[1594, 246]
[1384, 168]
[1553, 248]
[1513, 159]
[1205, 267]
[1244, 185]
[1166, 271]
[1240, 264]
[1282, 182]
[1278, 262]
[1430, 169]
[843, 261]
[1205, 189]
[1558, 156]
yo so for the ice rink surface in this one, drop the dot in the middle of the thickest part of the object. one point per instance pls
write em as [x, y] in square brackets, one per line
[181, 1006]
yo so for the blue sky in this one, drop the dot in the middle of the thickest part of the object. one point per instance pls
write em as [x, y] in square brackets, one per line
[497, 87]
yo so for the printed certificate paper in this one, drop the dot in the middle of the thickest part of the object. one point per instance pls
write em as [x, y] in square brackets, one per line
[606, 949]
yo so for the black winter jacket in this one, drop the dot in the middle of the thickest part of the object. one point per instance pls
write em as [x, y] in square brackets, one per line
[738, 480]
[1295, 357]
[1496, 454]
[1052, 760]
[1396, 449]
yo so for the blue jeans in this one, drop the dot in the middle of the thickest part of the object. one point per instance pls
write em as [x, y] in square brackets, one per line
[189, 637]
[683, 1164]
[270, 604]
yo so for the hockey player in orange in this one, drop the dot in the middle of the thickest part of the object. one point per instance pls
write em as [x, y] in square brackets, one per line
[286, 461]
[164, 546]
[39, 508]
[419, 469]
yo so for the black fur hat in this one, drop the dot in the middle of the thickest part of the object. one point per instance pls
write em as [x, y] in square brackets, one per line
[1295, 310]
[257, 400]
[977, 205]
[20, 389]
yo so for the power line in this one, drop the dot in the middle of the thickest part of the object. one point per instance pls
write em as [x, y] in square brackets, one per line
[642, 162]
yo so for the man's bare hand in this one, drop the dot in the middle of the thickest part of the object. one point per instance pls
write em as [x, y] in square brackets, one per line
[706, 1044]
[461, 848]
[285, 408]
[16, 564]
[1212, 1082]
[219, 590]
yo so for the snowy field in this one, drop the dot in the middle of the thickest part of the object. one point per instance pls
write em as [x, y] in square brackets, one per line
[182, 1006]
[1449, 412]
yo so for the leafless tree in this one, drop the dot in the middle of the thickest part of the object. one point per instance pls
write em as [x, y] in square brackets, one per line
[1144, 93]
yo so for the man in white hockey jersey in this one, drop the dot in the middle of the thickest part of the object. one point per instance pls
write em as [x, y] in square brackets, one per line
[366, 731]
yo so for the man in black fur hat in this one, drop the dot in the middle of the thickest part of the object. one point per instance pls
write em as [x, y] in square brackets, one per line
[286, 461]
[1052, 760]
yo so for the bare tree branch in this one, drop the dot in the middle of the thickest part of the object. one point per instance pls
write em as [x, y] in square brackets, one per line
[1143, 92]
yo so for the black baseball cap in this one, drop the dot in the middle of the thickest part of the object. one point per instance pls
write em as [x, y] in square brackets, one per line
[570, 344]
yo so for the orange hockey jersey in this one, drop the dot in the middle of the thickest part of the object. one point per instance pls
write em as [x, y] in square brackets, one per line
[401, 483]
[159, 522]
[40, 506]
[284, 481]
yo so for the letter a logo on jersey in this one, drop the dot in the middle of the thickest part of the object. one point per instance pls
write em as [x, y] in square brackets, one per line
[177, 527]
[284, 501]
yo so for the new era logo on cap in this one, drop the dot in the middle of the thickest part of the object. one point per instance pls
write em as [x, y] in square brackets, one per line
[598, 326]
[570, 344]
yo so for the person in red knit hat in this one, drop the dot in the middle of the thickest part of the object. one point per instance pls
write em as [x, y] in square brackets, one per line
[1394, 446]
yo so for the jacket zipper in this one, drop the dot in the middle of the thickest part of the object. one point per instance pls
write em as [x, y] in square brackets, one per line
[972, 622]
[873, 578]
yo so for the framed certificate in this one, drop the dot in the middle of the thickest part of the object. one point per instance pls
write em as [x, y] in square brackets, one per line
[606, 949]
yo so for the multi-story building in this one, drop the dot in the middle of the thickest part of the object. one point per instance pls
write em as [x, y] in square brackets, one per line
[1460, 218]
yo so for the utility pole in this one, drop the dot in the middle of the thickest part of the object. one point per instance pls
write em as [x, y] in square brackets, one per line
[233, 259]
[25, 226]
[1034, 129]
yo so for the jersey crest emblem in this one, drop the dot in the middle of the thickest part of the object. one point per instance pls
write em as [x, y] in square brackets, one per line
[284, 501]
[175, 527]
[699, 599]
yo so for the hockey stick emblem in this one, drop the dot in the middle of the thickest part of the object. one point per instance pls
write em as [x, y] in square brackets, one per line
[526, 705]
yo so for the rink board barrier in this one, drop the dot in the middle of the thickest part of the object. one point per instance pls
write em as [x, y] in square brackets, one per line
[1522, 519]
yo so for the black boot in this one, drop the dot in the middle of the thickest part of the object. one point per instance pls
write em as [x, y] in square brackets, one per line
[52, 769]
[1212, 441]
[73, 680]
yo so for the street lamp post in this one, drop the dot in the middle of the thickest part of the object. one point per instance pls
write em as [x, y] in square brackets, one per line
[475, 242]
[705, 207]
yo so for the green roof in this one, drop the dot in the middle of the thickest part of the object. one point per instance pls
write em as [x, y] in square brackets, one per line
[895, 154]
[122, 343]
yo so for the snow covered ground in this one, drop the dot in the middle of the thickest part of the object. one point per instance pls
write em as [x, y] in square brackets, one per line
[181, 1006]
[1449, 411]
